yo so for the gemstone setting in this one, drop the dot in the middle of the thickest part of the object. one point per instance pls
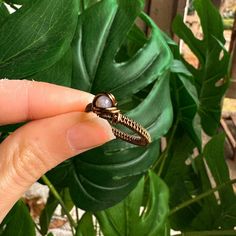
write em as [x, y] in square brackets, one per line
[103, 101]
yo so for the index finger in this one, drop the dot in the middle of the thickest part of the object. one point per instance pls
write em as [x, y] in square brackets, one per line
[22, 100]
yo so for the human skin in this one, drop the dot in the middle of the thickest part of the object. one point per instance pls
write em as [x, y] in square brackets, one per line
[57, 128]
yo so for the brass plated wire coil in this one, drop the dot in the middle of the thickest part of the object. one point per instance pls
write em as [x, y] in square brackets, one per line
[111, 113]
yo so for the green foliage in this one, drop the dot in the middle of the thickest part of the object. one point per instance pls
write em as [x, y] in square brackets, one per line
[214, 155]
[47, 214]
[86, 226]
[19, 2]
[104, 176]
[60, 73]
[18, 222]
[185, 99]
[50, 234]
[209, 233]
[211, 78]
[96, 46]
[133, 216]
[3, 13]
[187, 182]
[94, 60]
[40, 35]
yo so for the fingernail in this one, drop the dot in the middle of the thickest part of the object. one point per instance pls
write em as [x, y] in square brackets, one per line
[89, 134]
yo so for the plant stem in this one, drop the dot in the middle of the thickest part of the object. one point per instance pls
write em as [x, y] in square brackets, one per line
[37, 227]
[201, 196]
[58, 197]
[160, 159]
[166, 151]
[77, 215]
[82, 5]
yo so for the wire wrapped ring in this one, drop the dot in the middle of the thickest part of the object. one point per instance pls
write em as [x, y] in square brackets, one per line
[105, 106]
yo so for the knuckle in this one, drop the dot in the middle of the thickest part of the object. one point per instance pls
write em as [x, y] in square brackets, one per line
[27, 162]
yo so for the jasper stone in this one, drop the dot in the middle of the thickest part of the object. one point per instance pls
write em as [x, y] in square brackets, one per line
[103, 101]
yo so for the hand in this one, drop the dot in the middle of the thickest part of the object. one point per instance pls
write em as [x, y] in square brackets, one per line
[58, 129]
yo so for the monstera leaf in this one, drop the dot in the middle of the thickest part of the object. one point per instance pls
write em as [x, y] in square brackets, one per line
[41, 33]
[185, 99]
[125, 217]
[104, 176]
[213, 62]
[19, 2]
[3, 13]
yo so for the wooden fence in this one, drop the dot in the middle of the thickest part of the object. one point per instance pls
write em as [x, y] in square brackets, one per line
[232, 89]
[163, 13]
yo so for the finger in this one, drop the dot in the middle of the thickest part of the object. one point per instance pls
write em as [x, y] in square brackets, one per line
[41, 145]
[22, 100]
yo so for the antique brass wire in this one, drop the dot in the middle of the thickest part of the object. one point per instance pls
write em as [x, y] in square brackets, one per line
[113, 115]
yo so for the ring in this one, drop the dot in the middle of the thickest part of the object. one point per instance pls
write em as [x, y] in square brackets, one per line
[105, 106]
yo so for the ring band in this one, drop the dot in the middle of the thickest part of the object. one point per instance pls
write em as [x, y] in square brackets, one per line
[105, 106]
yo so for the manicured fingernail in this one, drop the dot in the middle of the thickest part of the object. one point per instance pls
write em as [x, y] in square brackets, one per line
[89, 133]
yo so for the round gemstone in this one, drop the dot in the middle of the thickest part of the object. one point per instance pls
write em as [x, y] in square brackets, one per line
[103, 101]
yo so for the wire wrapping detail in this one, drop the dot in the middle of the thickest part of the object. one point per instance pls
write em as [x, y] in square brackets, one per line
[105, 106]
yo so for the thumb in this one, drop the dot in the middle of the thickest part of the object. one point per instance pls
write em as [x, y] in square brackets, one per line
[40, 145]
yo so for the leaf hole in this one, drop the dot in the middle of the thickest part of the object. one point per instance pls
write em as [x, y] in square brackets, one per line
[12, 7]
[220, 83]
[194, 24]
[135, 40]
[222, 53]
[133, 101]
[142, 211]
[189, 56]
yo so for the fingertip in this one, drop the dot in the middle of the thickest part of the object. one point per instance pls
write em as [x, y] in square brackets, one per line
[90, 133]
